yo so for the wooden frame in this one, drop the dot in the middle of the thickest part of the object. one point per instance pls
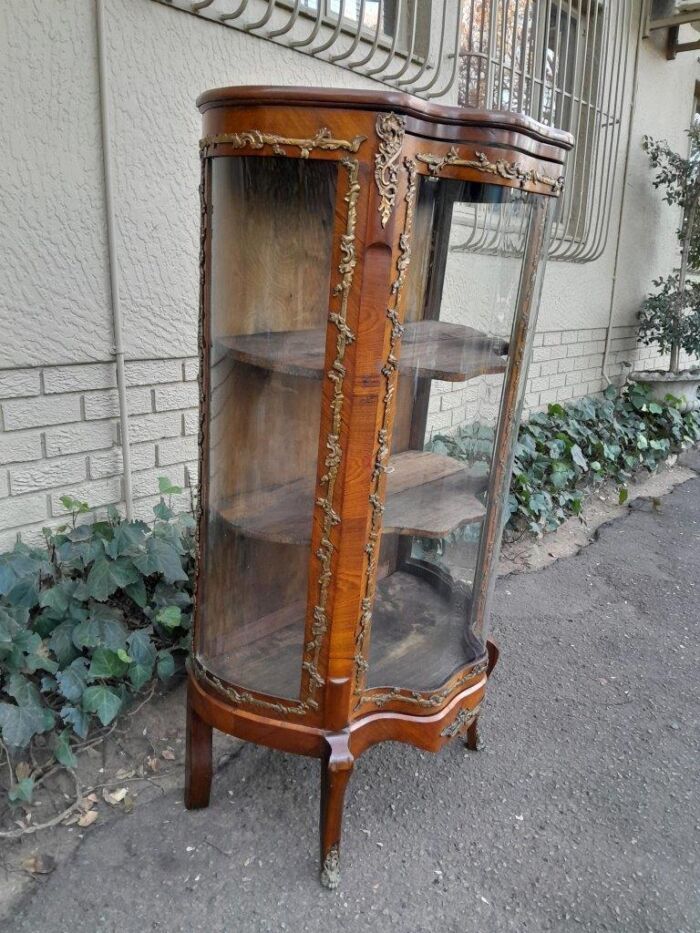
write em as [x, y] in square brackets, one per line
[382, 144]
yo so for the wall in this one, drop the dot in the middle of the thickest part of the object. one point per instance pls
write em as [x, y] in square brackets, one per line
[58, 425]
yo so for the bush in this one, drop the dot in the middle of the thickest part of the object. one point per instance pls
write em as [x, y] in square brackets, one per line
[86, 622]
[569, 448]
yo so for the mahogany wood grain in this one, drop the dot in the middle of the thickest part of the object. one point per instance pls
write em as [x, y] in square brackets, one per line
[198, 761]
[473, 742]
[300, 423]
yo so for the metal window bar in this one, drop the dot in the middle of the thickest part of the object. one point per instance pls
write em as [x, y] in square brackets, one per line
[564, 62]
[395, 42]
[567, 63]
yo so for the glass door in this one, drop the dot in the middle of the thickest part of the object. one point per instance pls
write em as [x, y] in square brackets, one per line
[271, 238]
[460, 308]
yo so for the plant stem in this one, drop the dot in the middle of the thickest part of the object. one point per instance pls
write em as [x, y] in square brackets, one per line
[682, 276]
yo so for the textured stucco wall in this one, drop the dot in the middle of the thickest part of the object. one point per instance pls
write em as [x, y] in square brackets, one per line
[53, 272]
[58, 428]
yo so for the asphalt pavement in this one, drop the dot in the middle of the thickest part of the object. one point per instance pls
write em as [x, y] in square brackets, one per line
[581, 813]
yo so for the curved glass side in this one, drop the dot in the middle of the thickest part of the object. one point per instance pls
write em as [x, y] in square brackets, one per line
[460, 310]
[271, 237]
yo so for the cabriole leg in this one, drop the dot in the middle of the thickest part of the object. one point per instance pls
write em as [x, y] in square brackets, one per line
[198, 761]
[473, 742]
[336, 768]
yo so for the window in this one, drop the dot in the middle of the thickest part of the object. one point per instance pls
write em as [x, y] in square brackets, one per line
[564, 63]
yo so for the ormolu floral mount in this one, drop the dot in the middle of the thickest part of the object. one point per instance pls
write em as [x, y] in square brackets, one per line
[345, 560]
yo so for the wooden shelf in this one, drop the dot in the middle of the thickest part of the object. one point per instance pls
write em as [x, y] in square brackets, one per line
[428, 494]
[430, 349]
[419, 640]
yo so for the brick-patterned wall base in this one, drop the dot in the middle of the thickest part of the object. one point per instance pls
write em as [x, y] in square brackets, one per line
[59, 429]
[565, 365]
[59, 434]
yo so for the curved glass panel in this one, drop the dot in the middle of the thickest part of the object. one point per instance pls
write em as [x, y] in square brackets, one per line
[459, 316]
[271, 236]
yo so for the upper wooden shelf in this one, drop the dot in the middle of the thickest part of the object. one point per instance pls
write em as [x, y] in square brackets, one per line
[428, 494]
[430, 349]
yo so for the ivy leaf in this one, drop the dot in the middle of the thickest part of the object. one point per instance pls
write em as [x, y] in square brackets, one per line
[107, 575]
[166, 488]
[7, 576]
[578, 458]
[73, 681]
[161, 557]
[22, 791]
[24, 593]
[20, 724]
[165, 666]
[170, 617]
[61, 643]
[137, 592]
[77, 718]
[162, 511]
[140, 674]
[57, 598]
[23, 691]
[63, 752]
[106, 663]
[102, 700]
[103, 628]
[48, 684]
[141, 648]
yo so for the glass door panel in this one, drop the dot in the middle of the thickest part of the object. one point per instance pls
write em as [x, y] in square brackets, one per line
[459, 317]
[271, 237]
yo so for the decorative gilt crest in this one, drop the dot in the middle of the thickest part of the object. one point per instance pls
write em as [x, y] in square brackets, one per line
[509, 170]
[390, 129]
[255, 139]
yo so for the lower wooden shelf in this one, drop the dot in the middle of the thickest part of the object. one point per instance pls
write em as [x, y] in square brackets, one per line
[429, 349]
[418, 641]
[428, 495]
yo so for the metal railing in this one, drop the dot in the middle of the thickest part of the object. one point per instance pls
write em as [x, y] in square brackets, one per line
[565, 62]
[412, 45]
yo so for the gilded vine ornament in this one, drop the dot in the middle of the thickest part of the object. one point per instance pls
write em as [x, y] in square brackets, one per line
[256, 139]
[390, 130]
[324, 553]
[389, 372]
[463, 718]
[201, 378]
[502, 168]
[423, 700]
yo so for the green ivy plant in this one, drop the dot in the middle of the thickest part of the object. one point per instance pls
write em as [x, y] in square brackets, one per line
[564, 451]
[670, 317]
[86, 622]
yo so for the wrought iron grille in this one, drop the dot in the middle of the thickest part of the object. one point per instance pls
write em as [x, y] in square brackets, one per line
[564, 62]
[412, 45]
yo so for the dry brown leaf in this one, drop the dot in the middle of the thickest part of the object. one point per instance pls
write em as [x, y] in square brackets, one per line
[168, 754]
[87, 819]
[114, 797]
[153, 764]
[38, 864]
[22, 770]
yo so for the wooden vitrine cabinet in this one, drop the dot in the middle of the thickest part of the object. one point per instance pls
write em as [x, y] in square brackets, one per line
[370, 273]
